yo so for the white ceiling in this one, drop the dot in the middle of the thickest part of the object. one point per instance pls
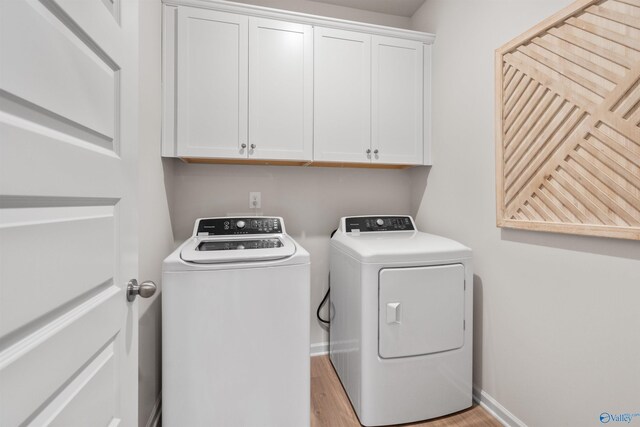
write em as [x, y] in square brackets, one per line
[391, 7]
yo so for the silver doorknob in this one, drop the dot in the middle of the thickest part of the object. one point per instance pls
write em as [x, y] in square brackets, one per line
[375, 151]
[243, 145]
[368, 150]
[253, 146]
[144, 289]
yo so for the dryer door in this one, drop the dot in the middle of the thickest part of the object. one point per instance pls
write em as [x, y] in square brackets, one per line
[421, 310]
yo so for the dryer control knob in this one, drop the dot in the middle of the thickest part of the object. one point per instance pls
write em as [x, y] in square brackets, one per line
[380, 222]
[240, 224]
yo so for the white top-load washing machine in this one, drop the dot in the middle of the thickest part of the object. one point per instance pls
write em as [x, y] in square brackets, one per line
[401, 320]
[235, 327]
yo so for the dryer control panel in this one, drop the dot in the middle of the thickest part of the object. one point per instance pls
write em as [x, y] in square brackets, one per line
[230, 226]
[378, 223]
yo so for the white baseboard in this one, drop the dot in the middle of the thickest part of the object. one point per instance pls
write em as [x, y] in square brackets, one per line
[498, 411]
[319, 349]
[156, 411]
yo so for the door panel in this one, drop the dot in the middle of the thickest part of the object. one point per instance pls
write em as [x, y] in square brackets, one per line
[39, 367]
[90, 400]
[397, 104]
[49, 238]
[37, 69]
[421, 310]
[212, 83]
[98, 22]
[68, 241]
[342, 95]
[281, 94]
[42, 138]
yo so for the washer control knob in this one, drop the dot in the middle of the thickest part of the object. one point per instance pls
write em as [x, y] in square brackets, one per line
[240, 224]
[380, 222]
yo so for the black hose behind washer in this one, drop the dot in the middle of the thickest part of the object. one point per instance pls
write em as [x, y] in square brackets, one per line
[326, 296]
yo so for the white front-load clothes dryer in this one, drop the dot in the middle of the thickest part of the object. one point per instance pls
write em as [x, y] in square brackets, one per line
[401, 320]
[235, 327]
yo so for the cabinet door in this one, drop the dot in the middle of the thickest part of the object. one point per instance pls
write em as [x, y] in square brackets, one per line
[342, 96]
[427, 104]
[397, 101]
[212, 83]
[280, 90]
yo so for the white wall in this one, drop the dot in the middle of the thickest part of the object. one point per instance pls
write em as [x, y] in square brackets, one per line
[557, 328]
[333, 11]
[154, 226]
[311, 200]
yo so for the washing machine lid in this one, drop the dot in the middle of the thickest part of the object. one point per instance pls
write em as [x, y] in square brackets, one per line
[231, 249]
[237, 239]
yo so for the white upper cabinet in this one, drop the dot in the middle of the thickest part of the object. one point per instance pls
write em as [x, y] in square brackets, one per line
[280, 90]
[211, 72]
[244, 87]
[248, 84]
[397, 101]
[368, 98]
[342, 109]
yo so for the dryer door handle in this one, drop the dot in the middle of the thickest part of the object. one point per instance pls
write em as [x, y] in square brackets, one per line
[393, 312]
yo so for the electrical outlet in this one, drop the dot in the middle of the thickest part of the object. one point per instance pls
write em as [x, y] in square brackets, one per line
[255, 200]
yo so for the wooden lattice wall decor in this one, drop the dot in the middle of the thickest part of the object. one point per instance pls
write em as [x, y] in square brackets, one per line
[568, 123]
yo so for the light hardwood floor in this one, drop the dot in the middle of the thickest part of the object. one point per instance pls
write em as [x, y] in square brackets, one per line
[330, 405]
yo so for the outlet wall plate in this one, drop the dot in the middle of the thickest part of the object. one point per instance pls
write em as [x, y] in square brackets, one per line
[255, 200]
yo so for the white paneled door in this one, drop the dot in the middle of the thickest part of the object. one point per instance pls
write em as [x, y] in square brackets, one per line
[68, 238]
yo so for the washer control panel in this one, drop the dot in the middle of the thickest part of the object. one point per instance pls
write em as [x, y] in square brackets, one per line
[378, 223]
[229, 226]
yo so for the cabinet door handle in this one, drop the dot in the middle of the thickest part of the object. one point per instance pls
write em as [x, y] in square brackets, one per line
[243, 146]
[253, 146]
[375, 151]
[368, 150]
